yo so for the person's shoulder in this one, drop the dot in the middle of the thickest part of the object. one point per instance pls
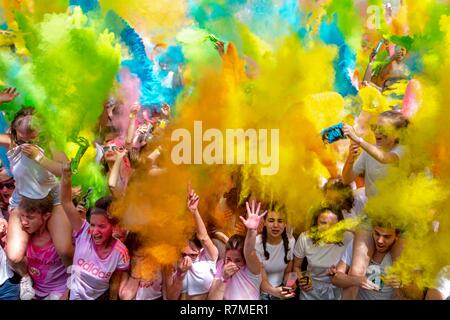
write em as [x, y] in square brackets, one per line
[291, 241]
[121, 250]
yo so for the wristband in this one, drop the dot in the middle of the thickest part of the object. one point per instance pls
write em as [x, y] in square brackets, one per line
[360, 140]
[39, 157]
[224, 280]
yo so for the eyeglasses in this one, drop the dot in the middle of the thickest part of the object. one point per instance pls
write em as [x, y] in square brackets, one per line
[190, 255]
[112, 148]
[8, 184]
[20, 142]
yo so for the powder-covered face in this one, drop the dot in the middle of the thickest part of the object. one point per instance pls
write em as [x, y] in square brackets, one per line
[25, 130]
[109, 149]
[100, 229]
[191, 252]
[385, 133]
[401, 53]
[326, 220]
[234, 256]
[275, 223]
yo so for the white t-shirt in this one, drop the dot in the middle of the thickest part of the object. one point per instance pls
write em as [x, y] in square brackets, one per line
[347, 256]
[275, 266]
[374, 273]
[150, 290]
[32, 180]
[90, 275]
[443, 282]
[5, 270]
[199, 277]
[243, 285]
[372, 169]
[320, 258]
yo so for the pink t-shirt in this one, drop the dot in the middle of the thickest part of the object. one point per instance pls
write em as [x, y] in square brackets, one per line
[90, 275]
[150, 290]
[47, 270]
[243, 285]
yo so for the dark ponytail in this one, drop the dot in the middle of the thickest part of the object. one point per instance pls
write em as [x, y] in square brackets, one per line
[264, 242]
[285, 238]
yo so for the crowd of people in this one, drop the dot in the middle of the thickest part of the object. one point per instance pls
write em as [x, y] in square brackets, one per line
[54, 246]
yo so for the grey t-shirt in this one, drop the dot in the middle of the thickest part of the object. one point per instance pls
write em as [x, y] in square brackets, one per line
[372, 169]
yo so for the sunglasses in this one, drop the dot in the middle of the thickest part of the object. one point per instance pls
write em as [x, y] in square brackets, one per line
[20, 142]
[9, 185]
[112, 148]
[190, 255]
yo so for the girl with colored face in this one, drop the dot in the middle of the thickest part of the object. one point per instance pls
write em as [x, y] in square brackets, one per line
[238, 277]
[322, 254]
[274, 248]
[99, 258]
[115, 157]
[35, 177]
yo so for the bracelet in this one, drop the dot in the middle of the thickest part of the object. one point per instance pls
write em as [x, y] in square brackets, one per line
[39, 157]
[360, 140]
[132, 115]
[224, 280]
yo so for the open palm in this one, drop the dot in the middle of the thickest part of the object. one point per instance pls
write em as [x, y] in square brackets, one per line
[253, 216]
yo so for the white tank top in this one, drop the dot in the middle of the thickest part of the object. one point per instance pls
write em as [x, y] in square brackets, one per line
[150, 290]
[32, 180]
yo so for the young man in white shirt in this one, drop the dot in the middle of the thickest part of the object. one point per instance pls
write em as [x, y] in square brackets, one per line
[374, 285]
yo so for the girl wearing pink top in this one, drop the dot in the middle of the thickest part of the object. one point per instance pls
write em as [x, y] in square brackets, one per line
[44, 265]
[239, 276]
[99, 258]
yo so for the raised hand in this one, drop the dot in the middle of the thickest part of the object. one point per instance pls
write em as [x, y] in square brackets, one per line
[165, 110]
[8, 95]
[253, 216]
[350, 132]
[220, 47]
[353, 151]
[193, 199]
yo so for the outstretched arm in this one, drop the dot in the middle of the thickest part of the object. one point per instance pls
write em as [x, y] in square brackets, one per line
[66, 198]
[202, 233]
[252, 223]
[377, 153]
